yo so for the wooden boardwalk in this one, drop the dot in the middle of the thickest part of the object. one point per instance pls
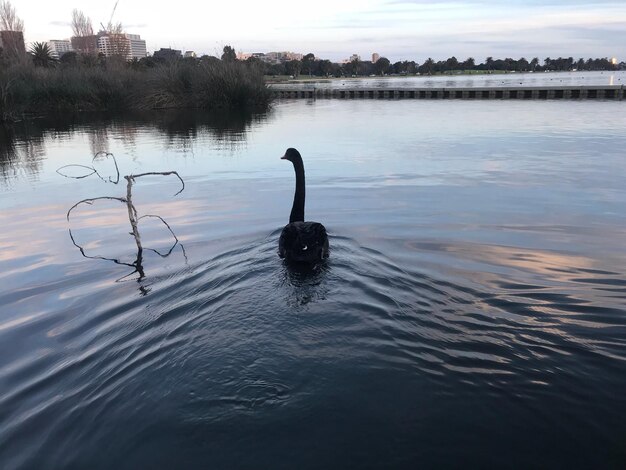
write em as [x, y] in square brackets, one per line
[615, 92]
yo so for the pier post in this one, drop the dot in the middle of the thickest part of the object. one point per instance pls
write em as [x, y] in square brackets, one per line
[465, 93]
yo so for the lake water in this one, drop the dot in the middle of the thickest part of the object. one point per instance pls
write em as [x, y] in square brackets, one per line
[550, 79]
[472, 312]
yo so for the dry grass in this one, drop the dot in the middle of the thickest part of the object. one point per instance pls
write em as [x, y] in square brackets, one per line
[25, 89]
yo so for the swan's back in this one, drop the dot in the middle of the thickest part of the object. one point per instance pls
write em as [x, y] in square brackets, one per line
[303, 242]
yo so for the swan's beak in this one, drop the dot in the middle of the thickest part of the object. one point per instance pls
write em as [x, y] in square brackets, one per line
[284, 157]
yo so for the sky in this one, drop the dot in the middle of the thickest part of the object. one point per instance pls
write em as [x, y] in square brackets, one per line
[335, 29]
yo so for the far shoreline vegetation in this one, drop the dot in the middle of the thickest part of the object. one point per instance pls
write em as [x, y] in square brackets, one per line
[310, 67]
[34, 83]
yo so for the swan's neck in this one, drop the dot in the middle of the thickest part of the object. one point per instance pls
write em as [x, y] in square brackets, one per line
[297, 211]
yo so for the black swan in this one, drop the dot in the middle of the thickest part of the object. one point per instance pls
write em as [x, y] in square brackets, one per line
[301, 241]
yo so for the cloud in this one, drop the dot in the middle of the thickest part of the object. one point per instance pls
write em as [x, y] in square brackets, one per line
[64, 24]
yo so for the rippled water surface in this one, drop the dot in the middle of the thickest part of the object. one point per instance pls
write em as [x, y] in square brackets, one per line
[472, 312]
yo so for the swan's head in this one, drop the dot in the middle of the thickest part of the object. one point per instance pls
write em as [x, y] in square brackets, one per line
[292, 155]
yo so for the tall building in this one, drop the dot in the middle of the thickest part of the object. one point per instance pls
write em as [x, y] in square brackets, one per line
[58, 47]
[375, 57]
[12, 43]
[271, 57]
[130, 46]
[167, 54]
[137, 46]
[85, 44]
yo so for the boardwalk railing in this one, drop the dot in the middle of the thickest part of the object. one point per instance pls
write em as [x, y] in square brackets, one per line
[607, 92]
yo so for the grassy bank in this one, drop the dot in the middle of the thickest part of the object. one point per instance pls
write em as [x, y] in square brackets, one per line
[26, 89]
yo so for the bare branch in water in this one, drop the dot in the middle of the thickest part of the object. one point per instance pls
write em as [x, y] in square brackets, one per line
[92, 169]
[117, 170]
[82, 251]
[91, 201]
[133, 216]
[177, 242]
[160, 173]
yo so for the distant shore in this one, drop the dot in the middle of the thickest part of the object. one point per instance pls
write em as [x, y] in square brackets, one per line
[307, 78]
[273, 79]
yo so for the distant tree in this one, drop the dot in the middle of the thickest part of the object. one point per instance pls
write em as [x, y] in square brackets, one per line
[293, 67]
[547, 63]
[382, 65]
[81, 24]
[489, 63]
[355, 65]
[41, 54]
[534, 63]
[308, 62]
[120, 45]
[410, 66]
[428, 67]
[580, 65]
[325, 67]
[397, 67]
[452, 63]
[208, 58]
[523, 65]
[69, 58]
[229, 54]
[468, 64]
[254, 62]
[276, 69]
[9, 21]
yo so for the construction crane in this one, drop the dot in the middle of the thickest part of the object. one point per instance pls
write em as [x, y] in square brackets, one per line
[109, 26]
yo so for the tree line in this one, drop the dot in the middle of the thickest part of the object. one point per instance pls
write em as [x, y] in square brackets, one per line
[312, 66]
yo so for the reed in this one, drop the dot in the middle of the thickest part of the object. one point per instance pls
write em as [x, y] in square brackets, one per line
[26, 89]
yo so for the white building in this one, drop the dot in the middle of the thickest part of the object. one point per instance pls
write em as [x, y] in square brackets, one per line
[375, 57]
[271, 57]
[137, 46]
[58, 47]
[130, 44]
[188, 54]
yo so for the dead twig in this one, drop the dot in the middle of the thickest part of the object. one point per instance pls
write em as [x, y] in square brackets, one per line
[133, 215]
[160, 173]
[91, 201]
[177, 242]
[92, 169]
[117, 170]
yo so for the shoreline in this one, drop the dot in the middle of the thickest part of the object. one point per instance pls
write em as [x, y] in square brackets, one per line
[282, 79]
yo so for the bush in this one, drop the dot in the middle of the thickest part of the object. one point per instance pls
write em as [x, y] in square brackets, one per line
[83, 85]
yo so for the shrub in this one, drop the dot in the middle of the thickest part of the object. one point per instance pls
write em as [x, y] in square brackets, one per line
[79, 85]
